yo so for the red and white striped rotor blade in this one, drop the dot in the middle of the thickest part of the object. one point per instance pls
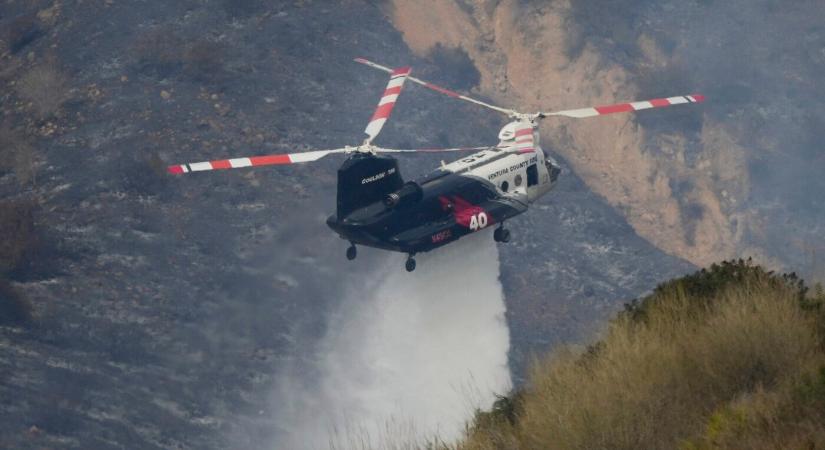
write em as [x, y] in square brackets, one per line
[387, 102]
[525, 143]
[628, 107]
[432, 150]
[438, 89]
[253, 161]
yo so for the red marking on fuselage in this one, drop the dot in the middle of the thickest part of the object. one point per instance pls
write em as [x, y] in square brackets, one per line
[442, 236]
[463, 211]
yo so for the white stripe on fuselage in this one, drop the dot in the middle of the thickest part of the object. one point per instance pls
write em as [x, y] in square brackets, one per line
[495, 165]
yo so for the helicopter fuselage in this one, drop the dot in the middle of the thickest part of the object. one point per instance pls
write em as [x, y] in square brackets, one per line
[479, 191]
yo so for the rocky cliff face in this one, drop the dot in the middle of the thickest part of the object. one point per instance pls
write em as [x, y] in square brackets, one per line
[693, 182]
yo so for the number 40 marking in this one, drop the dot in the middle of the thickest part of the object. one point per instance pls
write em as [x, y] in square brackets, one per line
[478, 221]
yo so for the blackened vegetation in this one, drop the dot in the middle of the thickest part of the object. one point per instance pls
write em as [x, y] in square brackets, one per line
[22, 31]
[456, 68]
[673, 79]
[45, 87]
[203, 61]
[18, 245]
[157, 52]
[18, 155]
[691, 213]
[18, 230]
[15, 308]
[163, 53]
[239, 9]
[612, 26]
[144, 173]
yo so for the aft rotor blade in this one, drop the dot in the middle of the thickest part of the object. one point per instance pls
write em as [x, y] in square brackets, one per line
[387, 102]
[431, 150]
[626, 107]
[438, 88]
[253, 161]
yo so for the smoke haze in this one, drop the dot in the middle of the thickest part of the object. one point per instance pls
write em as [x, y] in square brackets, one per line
[407, 355]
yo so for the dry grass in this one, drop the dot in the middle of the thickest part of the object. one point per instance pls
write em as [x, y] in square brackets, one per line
[393, 434]
[661, 380]
[45, 87]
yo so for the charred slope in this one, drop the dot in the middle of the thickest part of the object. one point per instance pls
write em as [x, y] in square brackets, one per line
[161, 309]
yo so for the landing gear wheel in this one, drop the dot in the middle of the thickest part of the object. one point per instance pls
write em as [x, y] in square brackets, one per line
[501, 235]
[352, 252]
[410, 266]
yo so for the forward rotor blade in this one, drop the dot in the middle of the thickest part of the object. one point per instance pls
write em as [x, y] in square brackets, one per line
[438, 88]
[627, 107]
[253, 161]
[431, 150]
[387, 102]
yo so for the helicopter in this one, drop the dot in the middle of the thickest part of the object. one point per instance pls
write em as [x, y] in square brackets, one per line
[377, 208]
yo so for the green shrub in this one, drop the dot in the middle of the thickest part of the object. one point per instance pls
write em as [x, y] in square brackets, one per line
[704, 286]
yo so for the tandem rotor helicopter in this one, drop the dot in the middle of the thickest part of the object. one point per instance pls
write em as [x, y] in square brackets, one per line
[377, 208]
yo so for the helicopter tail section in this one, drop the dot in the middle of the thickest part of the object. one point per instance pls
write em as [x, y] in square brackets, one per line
[365, 179]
